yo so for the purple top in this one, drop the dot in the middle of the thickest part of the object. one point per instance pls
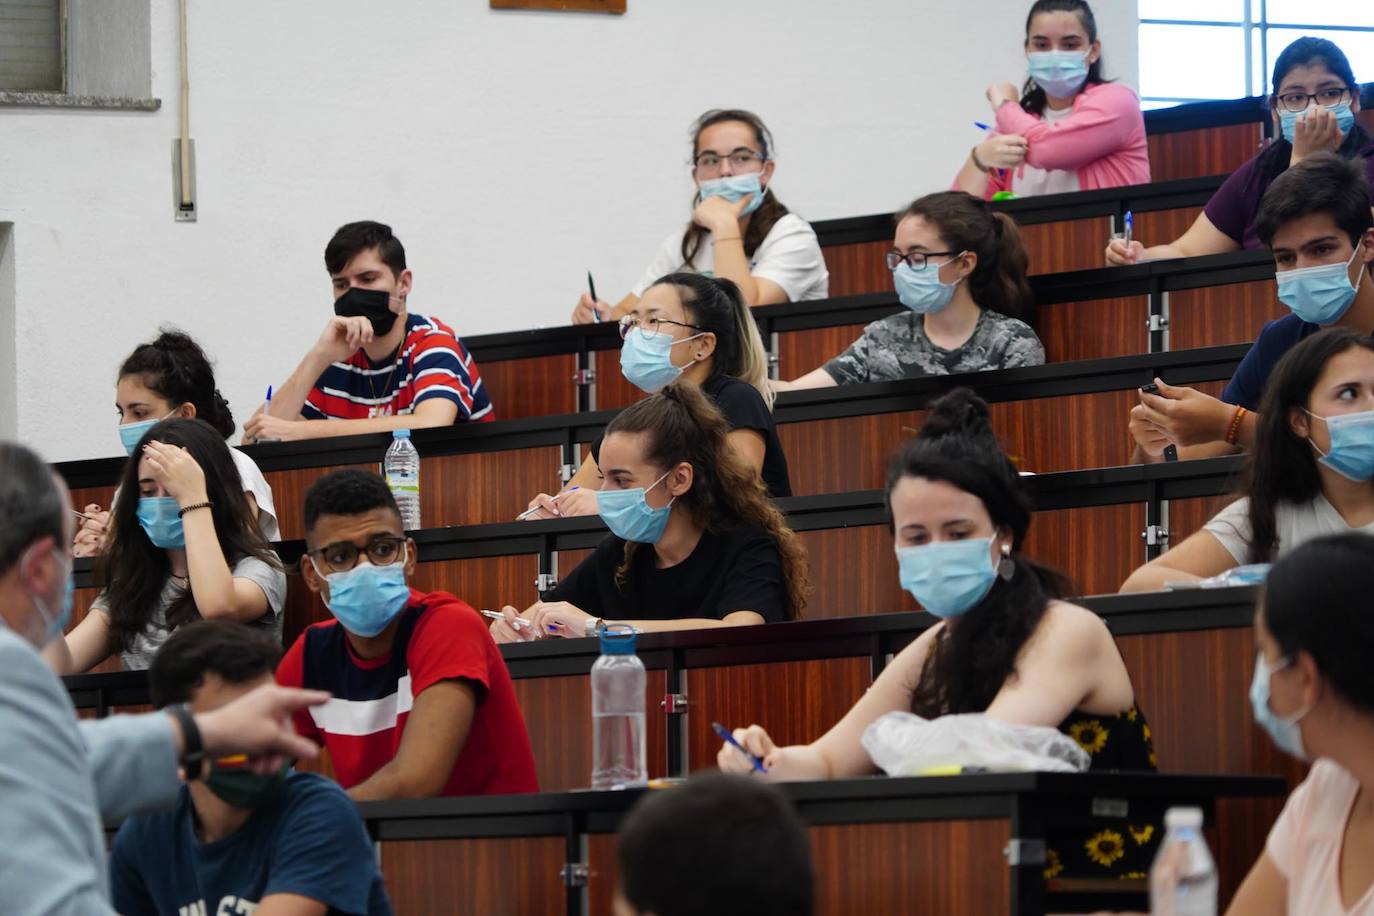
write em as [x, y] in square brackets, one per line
[1232, 208]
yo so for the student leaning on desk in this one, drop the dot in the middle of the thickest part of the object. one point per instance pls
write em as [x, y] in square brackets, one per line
[695, 540]
[1008, 645]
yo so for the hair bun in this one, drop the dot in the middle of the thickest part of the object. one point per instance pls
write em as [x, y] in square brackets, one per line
[173, 340]
[961, 412]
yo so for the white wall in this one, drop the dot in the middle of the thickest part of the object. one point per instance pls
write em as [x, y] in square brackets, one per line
[511, 152]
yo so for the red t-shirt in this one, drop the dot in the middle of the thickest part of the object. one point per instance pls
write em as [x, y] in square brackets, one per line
[439, 638]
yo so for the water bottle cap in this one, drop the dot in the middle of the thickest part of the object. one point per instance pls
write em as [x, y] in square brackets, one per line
[400, 434]
[1176, 818]
[618, 639]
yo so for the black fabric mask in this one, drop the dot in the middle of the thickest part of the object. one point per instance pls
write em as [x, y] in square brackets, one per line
[372, 304]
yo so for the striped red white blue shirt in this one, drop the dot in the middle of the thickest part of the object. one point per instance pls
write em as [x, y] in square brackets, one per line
[430, 363]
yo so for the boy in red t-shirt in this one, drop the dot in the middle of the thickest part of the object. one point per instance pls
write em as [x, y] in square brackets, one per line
[423, 704]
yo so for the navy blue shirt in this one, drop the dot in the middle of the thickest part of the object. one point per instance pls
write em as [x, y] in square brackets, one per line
[1246, 387]
[308, 840]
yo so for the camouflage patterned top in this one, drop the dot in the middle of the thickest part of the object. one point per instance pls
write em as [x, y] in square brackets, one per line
[897, 347]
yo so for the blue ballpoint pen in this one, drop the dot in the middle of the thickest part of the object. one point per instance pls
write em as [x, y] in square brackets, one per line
[1130, 226]
[730, 740]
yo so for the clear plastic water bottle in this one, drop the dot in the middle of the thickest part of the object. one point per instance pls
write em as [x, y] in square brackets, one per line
[618, 712]
[1183, 880]
[401, 467]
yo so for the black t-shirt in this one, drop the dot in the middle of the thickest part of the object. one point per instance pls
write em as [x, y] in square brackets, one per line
[735, 570]
[743, 408]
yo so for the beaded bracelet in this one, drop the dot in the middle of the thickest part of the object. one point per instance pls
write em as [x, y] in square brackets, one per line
[1234, 432]
[191, 508]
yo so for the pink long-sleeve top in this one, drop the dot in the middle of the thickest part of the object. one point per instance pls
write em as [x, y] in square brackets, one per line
[1103, 140]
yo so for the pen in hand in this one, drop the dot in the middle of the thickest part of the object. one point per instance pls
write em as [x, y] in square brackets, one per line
[519, 622]
[533, 509]
[729, 739]
[591, 288]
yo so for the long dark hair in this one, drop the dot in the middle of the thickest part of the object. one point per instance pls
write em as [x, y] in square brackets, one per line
[135, 571]
[763, 219]
[1273, 160]
[1033, 98]
[683, 425]
[1316, 600]
[975, 654]
[967, 223]
[715, 304]
[1282, 465]
[176, 368]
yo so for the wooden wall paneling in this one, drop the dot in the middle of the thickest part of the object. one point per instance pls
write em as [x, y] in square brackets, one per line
[801, 351]
[1094, 329]
[1187, 516]
[470, 489]
[558, 716]
[847, 453]
[613, 390]
[1193, 688]
[484, 877]
[947, 867]
[858, 268]
[1209, 151]
[1067, 433]
[796, 701]
[1096, 547]
[1066, 245]
[1159, 227]
[1215, 315]
[853, 571]
[536, 387]
[955, 868]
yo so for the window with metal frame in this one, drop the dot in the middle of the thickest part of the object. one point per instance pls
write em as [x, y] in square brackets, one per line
[31, 46]
[1197, 50]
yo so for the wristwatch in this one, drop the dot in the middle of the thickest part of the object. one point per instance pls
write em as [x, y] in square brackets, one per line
[593, 627]
[192, 760]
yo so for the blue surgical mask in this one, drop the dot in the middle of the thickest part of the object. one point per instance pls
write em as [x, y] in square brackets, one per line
[131, 434]
[1345, 120]
[733, 187]
[647, 362]
[57, 623]
[160, 521]
[1352, 444]
[1321, 294]
[948, 578]
[1283, 729]
[366, 598]
[630, 517]
[923, 291]
[1060, 73]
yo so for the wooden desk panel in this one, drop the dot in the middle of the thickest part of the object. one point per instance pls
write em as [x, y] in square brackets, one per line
[1194, 153]
[558, 716]
[796, 701]
[1093, 329]
[853, 571]
[858, 267]
[1067, 245]
[535, 387]
[946, 867]
[487, 877]
[612, 389]
[469, 489]
[1187, 516]
[801, 351]
[1097, 547]
[101, 496]
[1159, 227]
[1215, 315]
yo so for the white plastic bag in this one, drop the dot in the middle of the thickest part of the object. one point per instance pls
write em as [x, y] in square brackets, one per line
[903, 744]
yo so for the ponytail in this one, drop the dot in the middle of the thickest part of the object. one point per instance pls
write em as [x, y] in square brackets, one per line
[684, 426]
[175, 367]
[715, 305]
[967, 223]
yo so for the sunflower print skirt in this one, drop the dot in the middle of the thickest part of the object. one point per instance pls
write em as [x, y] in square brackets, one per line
[1108, 847]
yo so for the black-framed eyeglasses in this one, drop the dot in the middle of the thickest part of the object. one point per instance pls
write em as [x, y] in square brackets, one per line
[343, 556]
[742, 159]
[1327, 98]
[650, 327]
[917, 259]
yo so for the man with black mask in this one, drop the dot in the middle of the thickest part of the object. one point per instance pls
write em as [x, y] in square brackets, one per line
[376, 367]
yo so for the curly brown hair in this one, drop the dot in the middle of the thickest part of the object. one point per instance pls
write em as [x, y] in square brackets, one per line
[684, 426]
